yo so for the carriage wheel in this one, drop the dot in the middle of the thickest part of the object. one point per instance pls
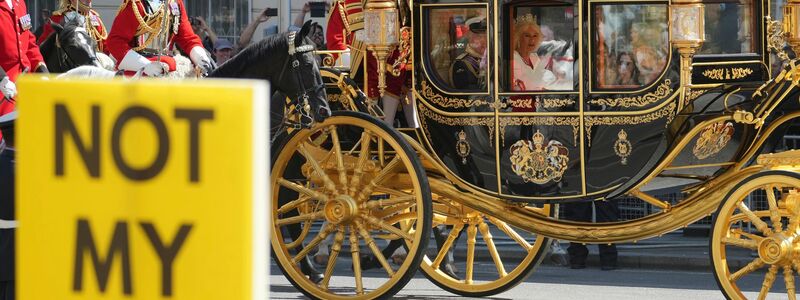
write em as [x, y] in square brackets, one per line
[359, 182]
[761, 215]
[465, 225]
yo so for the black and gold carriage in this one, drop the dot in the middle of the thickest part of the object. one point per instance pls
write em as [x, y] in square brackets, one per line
[617, 98]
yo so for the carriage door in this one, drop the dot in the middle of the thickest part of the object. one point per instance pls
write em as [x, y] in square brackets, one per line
[537, 81]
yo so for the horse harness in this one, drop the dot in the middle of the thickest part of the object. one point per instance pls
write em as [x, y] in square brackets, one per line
[302, 95]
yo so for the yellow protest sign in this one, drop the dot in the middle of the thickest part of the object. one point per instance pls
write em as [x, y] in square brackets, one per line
[142, 189]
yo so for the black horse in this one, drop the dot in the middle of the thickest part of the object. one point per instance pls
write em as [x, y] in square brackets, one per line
[69, 47]
[287, 61]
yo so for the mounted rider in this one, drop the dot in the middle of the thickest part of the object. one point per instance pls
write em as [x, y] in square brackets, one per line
[18, 50]
[145, 33]
[97, 30]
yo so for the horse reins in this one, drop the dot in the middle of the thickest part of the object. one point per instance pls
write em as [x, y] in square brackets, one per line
[302, 94]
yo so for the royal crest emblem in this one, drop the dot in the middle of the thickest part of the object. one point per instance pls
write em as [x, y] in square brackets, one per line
[623, 147]
[712, 139]
[462, 146]
[538, 162]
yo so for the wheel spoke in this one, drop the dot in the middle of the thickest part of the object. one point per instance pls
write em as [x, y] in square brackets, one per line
[487, 238]
[376, 222]
[788, 278]
[510, 232]
[302, 189]
[323, 233]
[337, 150]
[354, 251]
[760, 225]
[362, 160]
[375, 251]
[335, 249]
[394, 209]
[329, 185]
[754, 237]
[774, 214]
[741, 243]
[750, 267]
[373, 204]
[378, 179]
[402, 217]
[300, 218]
[446, 246]
[293, 204]
[769, 279]
[471, 233]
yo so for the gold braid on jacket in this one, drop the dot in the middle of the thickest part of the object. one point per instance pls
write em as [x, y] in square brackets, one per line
[149, 24]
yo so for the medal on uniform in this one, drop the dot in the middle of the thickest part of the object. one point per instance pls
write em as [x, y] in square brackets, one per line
[176, 15]
[93, 21]
[25, 22]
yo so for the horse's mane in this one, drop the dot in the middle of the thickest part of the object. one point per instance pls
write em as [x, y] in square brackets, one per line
[251, 54]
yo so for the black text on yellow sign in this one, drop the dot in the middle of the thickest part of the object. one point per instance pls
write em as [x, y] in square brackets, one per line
[145, 190]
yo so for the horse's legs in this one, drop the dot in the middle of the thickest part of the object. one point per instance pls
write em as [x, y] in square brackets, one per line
[295, 230]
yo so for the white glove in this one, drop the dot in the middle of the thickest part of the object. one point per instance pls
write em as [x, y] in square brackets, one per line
[135, 62]
[8, 88]
[200, 58]
[539, 68]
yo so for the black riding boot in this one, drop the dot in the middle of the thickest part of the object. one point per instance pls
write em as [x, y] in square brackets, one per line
[447, 265]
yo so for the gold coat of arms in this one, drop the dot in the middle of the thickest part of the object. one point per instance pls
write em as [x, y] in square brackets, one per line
[537, 162]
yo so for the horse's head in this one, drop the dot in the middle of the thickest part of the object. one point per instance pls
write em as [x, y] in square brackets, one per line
[300, 78]
[74, 45]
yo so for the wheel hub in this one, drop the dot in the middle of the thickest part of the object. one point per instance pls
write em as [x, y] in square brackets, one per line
[775, 249]
[341, 209]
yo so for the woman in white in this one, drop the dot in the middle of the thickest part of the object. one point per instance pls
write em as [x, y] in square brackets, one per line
[530, 71]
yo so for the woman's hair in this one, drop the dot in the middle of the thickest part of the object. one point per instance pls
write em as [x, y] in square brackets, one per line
[634, 67]
[522, 22]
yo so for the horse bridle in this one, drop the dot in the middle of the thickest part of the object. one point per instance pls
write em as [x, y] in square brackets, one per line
[64, 59]
[302, 94]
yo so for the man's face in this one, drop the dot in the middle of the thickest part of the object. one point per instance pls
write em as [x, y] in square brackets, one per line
[477, 41]
[223, 55]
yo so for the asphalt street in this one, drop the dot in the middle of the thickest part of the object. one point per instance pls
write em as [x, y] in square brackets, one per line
[553, 282]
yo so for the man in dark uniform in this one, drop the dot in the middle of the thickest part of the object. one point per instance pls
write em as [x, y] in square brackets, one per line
[7, 224]
[466, 72]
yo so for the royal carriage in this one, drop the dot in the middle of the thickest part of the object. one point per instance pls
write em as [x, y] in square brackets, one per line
[626, 97]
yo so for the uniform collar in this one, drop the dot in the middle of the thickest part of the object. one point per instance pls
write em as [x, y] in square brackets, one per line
[473, 52]
[4, 4]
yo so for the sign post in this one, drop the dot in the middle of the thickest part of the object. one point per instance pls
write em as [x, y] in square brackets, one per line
[142, 189]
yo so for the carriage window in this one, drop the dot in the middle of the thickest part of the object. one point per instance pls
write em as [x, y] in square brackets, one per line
[541, 49]
[729, 27]
[631, 45]
[456, 47]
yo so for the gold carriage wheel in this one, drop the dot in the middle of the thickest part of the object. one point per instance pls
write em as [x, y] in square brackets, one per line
[366, 183]
[471, 224]
[761, 215]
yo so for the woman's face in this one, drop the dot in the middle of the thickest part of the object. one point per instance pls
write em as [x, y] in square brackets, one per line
[625, 68]
[530, 37]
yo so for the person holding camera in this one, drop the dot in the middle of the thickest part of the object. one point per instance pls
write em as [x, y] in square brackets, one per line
[247, 34]
[206, 34]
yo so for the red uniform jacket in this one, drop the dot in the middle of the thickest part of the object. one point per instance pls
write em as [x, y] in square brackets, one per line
[18, 49]
[95, 20]
[123, 32]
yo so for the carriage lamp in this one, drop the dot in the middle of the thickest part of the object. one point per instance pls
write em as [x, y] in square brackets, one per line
[381, 26]
[791, 24]
[688, 34]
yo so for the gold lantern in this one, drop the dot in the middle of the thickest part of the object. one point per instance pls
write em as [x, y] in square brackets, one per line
[688, 34]
[791, 24]
[381, 31]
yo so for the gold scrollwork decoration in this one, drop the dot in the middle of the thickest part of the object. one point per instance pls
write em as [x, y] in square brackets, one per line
[541, 121]
[462, 146]
[776, 38]
[727, 73]
[538, 162]
[557, 103]
[520, 103]
[712, 139]
[667, 111]
[623, 147]
[428, 93]
[427, 114]
[663, 91]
